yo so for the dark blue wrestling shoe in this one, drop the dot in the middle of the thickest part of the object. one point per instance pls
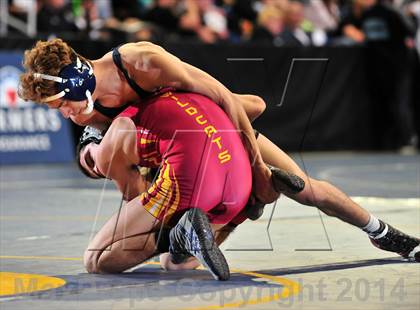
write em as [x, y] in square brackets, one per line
[283, 182]
[192, 236]
[286, 182]
[393, 240]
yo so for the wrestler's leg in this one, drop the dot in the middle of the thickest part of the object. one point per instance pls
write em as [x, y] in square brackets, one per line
[124, 241]
[333, 202]
[253, 105]
[321, 194]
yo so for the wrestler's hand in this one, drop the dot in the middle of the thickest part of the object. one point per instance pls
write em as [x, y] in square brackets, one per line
[262, 184]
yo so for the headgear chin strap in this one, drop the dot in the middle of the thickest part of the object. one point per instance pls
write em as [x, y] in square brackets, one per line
[75, 82]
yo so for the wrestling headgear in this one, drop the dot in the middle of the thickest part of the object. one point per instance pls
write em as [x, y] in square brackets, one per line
[75, 82]
[89, 135]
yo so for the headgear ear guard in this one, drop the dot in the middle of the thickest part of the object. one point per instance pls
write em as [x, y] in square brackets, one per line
[75, 82]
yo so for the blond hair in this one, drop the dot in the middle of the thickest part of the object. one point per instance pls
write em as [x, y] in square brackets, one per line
[47, 57]
[268, 12]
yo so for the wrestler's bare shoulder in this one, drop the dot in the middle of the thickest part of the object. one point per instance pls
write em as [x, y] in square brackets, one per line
[140, 55]
[143, 46]
[140, 49]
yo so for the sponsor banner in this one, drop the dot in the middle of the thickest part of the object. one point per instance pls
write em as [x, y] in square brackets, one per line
[29, 132]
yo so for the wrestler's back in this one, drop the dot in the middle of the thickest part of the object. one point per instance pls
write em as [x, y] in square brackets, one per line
[186, 122]
[195, 140]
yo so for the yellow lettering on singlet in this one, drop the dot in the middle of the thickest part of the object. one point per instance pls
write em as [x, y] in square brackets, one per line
[145, 141]
[209, 130]
[224, 156]
[199, 121]
[182, 104]
[191, 111]
[167, 94]
[217, 141]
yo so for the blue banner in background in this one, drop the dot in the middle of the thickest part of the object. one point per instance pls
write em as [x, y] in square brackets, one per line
[29, 132]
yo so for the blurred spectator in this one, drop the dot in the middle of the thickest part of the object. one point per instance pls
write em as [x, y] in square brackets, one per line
[280, 4]
[270, 26]
[389, 38]
[174, 17]
[56, 16]
[351, 23]
[90, 17]
[17, 7]
[323, 14]
[124, 9]
[293, 34]
[189, 18]
[375, 20]
[383, 23]
[125, 22]
[241, 16]
[412, 9]
[214, 18]
[21, 9]
[165, 13]
[104, 9]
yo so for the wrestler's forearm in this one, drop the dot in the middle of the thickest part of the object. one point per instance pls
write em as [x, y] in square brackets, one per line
[117, 155]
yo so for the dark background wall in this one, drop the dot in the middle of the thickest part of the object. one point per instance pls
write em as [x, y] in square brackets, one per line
[326, 105]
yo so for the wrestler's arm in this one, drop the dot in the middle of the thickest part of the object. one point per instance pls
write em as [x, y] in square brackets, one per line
[166, 70]
[118, 157]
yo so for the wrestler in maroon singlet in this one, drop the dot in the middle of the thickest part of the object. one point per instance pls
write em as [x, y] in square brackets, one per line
[203, 161]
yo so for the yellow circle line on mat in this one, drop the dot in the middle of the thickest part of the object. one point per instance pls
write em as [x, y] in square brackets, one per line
[12, 283]
[290, 288]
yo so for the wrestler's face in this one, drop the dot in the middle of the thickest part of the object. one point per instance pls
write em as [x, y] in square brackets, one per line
[69, 108]
[88, 156]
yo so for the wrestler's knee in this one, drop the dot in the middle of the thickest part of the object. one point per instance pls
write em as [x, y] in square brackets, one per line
[106, 265]
[96, 261]
[259, 105]
[253, 105]
[90, 260]
[101, 264]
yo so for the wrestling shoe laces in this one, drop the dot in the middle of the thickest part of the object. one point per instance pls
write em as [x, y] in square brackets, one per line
[283, 182]
[393, 240]
[192, 236]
